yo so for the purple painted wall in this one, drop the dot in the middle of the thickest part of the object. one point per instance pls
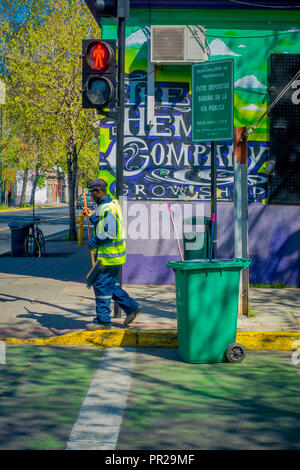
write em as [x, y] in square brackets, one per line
[274, 247]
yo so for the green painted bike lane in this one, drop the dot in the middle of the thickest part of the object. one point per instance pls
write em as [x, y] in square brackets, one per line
[170, 405]
[175, 405]
[41, 392]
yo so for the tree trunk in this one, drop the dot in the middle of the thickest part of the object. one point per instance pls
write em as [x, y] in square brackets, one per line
[25, 181]
[34, 186]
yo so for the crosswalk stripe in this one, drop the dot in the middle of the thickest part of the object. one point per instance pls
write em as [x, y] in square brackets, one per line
[98, 424]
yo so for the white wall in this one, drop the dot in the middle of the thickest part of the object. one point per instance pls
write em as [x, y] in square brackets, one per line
[40, 194]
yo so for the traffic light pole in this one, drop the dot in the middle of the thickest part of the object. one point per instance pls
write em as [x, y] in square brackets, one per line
[121, 100]
[1, 169]
[213, 197]
[120, 126]
[120, 10]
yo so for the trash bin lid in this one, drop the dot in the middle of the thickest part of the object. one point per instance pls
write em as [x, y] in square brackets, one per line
[196, 264]
[197, 220]
[19, 225]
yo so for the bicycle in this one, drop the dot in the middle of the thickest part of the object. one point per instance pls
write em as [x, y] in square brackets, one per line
[34, 242]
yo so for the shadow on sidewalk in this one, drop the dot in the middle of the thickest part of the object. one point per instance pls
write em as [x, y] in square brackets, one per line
[50, 320]
[55, 321]
[64, 261]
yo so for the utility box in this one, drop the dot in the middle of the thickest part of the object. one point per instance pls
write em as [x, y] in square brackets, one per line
[284, 148]
[178, 44]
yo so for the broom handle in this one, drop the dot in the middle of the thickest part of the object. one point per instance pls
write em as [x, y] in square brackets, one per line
[88, 227]
[175, 232]
[213, 220]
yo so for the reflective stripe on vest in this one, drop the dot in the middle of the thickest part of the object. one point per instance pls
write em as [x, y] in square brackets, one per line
[114, 251]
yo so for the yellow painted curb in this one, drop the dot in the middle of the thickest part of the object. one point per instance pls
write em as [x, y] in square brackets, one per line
[104, 338]
[14, 209]
[157, 338]
[268, 340]
[252, 340]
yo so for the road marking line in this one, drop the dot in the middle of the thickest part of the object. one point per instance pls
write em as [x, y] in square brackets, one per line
[41, 221]
[98, 424]
[57, 218]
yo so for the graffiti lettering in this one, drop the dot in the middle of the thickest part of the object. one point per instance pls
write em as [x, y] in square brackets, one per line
[296, 94]
[162, 162]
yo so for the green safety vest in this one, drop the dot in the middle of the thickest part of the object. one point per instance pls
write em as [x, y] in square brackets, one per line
[114, 251]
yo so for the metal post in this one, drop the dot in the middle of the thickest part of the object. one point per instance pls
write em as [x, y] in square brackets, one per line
[33, 202]
[120, 126]
[213, 196]
[121, 100]
[2, 101]
[241, 214]
[1, 169]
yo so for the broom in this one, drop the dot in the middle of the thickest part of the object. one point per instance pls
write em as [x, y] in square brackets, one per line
[96, 266]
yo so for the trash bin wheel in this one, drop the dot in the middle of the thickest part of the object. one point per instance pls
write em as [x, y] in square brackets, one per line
[235, 353]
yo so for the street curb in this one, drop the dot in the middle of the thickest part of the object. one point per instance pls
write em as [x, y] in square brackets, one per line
[252, 340]
[30, 208]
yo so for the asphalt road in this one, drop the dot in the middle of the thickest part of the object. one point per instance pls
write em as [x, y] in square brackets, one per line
[146, 399]
[53, 220]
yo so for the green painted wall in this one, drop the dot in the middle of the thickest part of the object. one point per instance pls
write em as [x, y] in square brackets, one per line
[247, 37]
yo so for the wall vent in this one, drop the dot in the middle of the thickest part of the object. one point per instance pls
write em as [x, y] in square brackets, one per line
[178, 44]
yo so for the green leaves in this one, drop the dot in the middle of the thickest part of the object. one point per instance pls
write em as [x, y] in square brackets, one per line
[43, 112]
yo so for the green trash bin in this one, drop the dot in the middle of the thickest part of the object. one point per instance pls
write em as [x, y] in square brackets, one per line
[207, 294]
[196, 238]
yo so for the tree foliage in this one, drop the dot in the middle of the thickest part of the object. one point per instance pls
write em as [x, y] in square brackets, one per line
[42, 53]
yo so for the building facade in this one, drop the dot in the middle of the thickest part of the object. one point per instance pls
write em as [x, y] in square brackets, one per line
[163, 165]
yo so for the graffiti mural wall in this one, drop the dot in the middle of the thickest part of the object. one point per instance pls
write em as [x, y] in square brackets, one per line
[161, 161]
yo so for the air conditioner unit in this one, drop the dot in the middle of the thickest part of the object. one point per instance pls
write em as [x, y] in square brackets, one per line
[178, 44]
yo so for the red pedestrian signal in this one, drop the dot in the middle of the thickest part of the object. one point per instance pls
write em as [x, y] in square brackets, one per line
[98, 73]
[99, 56]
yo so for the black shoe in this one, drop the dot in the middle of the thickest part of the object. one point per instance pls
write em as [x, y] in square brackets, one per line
[129, 318]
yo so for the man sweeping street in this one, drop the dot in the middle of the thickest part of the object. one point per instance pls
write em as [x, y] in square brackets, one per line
[109, 246]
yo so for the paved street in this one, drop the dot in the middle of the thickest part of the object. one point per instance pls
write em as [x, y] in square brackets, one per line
[53, 220]
[57, 398]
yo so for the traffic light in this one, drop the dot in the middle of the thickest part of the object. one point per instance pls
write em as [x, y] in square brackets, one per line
[113, 8]
[108, 8]
[98, 73]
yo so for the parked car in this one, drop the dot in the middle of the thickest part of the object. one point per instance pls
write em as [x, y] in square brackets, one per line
[89, 202]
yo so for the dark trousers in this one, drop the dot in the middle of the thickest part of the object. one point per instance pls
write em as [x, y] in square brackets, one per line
[107, 287]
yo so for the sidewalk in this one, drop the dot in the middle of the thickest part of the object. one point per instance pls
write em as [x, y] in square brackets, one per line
[37, 206]
[46, 299]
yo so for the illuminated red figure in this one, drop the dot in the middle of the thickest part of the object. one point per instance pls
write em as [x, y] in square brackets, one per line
[99, 56]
